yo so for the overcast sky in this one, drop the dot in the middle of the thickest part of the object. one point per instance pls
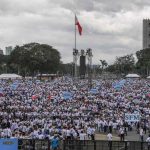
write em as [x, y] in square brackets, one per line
[111, 27]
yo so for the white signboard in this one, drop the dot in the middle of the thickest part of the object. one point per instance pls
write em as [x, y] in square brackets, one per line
[132, 117]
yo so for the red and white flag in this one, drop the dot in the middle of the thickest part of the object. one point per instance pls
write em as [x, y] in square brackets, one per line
[78, 24]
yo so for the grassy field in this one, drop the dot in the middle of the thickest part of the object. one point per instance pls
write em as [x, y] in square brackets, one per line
[104, 137]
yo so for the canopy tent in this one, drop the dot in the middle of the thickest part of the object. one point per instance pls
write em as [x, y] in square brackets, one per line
[132, 76]
[148, 77]
[10, 76]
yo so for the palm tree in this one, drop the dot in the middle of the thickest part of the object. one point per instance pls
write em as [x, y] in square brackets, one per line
[103, 64]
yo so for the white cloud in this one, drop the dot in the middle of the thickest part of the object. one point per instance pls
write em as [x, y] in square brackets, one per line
[111, 28]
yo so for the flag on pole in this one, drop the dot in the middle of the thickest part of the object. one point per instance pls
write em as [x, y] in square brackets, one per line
[78, 24]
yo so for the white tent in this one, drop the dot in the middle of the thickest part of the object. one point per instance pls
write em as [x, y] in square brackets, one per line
[148, 77]
[10, 76]
[132, 76]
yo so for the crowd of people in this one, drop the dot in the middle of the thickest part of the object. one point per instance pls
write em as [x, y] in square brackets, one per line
[38, 109]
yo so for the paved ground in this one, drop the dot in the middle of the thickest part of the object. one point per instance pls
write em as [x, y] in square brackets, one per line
[104, 137]
[131, 136]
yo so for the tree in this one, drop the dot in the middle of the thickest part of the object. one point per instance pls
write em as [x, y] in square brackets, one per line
[4, 63]
[103, 65]
[125, 64]
[143, 63]
[111, 68]
[66, 69]
[34, 57]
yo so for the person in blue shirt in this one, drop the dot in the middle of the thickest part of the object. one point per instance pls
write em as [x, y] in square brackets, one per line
[54, 143]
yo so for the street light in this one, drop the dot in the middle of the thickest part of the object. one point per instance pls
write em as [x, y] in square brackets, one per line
[75, 58]
[89, 56]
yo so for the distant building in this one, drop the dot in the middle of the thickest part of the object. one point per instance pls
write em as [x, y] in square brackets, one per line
[9, 49]
[146, 33]
[47, 76]
[1, 52]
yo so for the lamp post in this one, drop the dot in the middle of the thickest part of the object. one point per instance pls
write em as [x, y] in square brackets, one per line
[82, 64]
[89, 56]
[75, 58]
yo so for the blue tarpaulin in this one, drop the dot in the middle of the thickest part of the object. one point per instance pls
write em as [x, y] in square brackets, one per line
[119, 84]
[94, 91]
[67, 95]
[9, 144]
[1, 92]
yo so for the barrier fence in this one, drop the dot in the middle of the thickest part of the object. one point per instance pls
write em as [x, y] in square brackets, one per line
[29, 144]
[105, 145]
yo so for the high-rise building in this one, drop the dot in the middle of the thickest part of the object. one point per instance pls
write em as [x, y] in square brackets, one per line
[9, 49]
[1, 52]
[146, 33]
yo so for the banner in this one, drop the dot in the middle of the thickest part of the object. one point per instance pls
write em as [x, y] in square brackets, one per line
[29, 82]
[67, 95]
[94, 91]
[122, 82]
[9, 144]
[14, 85]
[1, 92]
[135, 117]
[119, 85]
[38, 81]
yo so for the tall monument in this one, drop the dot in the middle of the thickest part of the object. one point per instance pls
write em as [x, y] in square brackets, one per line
[146, 33]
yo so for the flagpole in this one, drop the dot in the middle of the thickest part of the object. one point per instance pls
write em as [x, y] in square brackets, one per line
[76, 53]
[75, 30]
[75, 65]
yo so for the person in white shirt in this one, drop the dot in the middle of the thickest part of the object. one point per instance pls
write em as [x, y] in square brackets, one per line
[82, 136]
[89, 132]
[148, 140]
[121, 134]
[68, 134]
[109, 136]
[40, 135]
[35, 134]
[141, 134]
[7, 133]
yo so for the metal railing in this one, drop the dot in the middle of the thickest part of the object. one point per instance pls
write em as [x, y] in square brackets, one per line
[105, 145]
[29, 144]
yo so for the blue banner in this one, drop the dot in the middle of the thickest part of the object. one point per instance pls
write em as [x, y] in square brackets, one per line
[29, 82]
[119, 85]
[14, 85]
[67, 95]
[122, 82]
[94, 91]
[9, 144]
[37, 81]
[1, 90]
[132, 117]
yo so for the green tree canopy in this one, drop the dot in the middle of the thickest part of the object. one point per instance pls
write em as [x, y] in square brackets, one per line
[143, 63]
[103, 64]
[35, 57]
[125, 64]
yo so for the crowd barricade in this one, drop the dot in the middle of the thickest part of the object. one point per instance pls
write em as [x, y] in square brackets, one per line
[33, 144]
[36, 144]
[105, 145]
